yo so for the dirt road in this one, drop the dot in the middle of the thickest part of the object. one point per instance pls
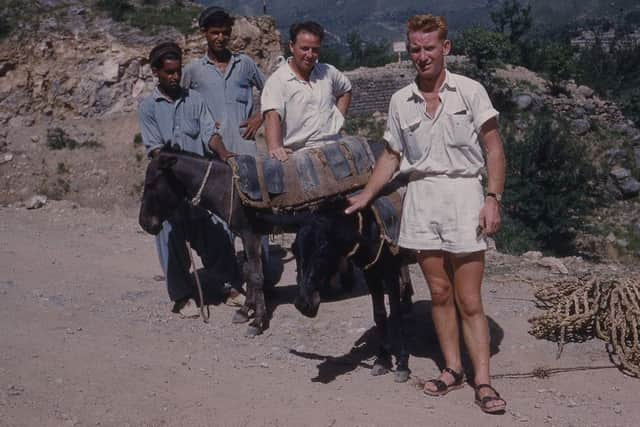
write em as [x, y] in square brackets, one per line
[87, 338]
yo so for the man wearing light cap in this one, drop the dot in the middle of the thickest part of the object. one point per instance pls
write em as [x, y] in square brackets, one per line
[226, 81]
[178, 117]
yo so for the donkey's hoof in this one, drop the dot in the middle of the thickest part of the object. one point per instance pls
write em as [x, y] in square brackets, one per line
[401, 376]
[240, 317]
[379, 369]
[252, 332]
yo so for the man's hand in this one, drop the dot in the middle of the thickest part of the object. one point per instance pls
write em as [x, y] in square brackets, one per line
[358, 202]
[490, 216]
[280, 153]
[252, 124]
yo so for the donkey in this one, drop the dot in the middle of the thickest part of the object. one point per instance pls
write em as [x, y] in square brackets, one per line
[174, 178]
[320, 247]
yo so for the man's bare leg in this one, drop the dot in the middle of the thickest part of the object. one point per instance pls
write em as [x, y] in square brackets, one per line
[467, 279]
[443, 310]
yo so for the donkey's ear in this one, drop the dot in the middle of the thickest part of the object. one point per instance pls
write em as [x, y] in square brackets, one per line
[166, 162]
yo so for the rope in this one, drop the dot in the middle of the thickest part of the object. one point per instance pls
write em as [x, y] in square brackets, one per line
[196, 199]
[583, 308]
[371, 264]
[231, 191]
[355, 248]
[205, 318]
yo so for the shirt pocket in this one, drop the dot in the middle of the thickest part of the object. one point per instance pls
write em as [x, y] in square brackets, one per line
[461, 129]
[191, 127]
[413, 150]
[243, 92]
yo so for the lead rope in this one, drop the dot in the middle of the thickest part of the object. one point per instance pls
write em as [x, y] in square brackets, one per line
[353, 251]
[196, 199]
[205, 318]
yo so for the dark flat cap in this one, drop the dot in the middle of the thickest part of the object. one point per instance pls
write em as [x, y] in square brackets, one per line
[213, 12]
[163, 49]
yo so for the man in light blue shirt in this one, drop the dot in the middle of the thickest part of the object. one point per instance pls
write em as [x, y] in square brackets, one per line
[226, 81]
[178, 117]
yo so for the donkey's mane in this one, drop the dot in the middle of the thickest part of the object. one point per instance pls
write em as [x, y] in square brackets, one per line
[177, 151]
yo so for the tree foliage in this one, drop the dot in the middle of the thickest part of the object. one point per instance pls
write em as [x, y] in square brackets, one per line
[485, 48]
[512, 19]
[550, 186]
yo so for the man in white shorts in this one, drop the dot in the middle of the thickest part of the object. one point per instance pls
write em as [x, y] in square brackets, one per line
[434, 133]
[304, 102]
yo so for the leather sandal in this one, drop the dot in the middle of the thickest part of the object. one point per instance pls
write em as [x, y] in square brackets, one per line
[482, 402]
[443, 388]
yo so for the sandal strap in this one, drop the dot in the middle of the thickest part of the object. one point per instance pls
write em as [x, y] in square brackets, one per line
[478, 387]
[440, 385]
[457, 376]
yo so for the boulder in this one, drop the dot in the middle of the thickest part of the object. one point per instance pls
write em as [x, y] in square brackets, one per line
[584, 91]
[619, 173]
[110, 71]
[36, 202]
[580, 126]
[615, 155]
[630, 187]
[554, 264]
[523, 101]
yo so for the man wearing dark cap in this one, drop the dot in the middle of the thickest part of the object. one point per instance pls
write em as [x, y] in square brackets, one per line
[226, 81]
[178, 117]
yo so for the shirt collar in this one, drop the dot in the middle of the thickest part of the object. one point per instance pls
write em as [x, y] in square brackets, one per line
[159, 96]
[448, 85]
[234, 58]
[292, 75]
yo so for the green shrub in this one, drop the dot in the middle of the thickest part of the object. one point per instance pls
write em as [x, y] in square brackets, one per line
[57, 139]
[550, 185]
[137, 139]
[485, 48]
[117, 9]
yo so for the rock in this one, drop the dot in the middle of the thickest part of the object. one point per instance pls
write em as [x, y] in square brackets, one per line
[6, 158]
[554, 264]
[36, 202]
[138, 88]
[622, 243]
[584, 91]
[110, 71]
[635, 141]
[579, 112]
[636, 156]
[625, 127]
[630, 187]
[35, 138]
[523, 101]
[615, 155]
[532, 255]
[619, 173]
[580, 126]
[611, 238]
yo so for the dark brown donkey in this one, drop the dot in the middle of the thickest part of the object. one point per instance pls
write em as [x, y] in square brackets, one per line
[175, 178]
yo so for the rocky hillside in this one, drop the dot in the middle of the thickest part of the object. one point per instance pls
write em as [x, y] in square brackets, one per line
[70, 86]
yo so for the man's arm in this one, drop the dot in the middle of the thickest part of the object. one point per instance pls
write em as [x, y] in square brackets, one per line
[490, 138]
[273, 135]
[217, 146]
[252, 124]
[384, 169]
[343, 101]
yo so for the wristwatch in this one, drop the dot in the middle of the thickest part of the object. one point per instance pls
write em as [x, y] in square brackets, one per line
[497, 196]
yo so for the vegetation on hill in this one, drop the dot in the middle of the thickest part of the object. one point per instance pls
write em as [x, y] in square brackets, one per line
[150, 16]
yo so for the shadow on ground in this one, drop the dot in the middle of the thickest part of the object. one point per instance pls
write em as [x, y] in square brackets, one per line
[423, 344]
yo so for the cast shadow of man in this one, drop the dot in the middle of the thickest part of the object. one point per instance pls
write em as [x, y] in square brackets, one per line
[423, 343]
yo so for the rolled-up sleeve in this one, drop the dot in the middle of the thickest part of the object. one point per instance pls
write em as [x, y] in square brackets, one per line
[257, 77]
[272, 97]
[481, 107]
[149, 128]
[393, 133]
[340, 83]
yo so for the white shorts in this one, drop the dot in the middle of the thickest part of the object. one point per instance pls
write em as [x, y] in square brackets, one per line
[442, 213]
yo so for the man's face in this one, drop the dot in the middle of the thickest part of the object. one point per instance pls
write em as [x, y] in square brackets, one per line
[305, 51]
[217, 38]
[169, 75]
[427, 52]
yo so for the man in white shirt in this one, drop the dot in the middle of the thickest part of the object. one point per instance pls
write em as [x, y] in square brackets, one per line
[434, 131]
[304, 103]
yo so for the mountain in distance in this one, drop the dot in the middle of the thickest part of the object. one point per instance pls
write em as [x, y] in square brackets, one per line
[384, 20]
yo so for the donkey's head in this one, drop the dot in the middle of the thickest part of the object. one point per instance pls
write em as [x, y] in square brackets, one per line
[162, 194]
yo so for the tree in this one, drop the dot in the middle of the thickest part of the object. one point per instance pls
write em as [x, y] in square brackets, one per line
[512, 19]
[485, 48]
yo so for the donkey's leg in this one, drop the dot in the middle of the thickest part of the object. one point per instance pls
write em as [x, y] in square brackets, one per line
[400, 307]
[255, 281]
[382, 364]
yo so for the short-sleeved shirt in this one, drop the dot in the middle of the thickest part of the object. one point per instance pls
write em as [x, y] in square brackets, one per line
[185, 122]
[447, 143]
[307, 109]
[228, 95]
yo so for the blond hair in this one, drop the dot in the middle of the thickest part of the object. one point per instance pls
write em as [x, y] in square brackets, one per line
[426, 24]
